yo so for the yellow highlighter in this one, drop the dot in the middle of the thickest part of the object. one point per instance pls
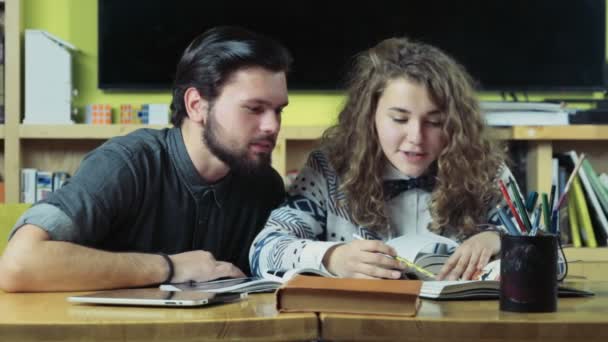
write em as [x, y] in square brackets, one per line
[415, 267]
[407, 263]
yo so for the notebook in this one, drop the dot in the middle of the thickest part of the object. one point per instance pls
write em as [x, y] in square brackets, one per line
[271, 281]
[155, 297]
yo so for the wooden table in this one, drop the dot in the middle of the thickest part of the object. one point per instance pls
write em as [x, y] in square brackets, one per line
[577, 319]
[48, 316]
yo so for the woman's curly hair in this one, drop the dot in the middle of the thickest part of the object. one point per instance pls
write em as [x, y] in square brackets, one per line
[466, 168]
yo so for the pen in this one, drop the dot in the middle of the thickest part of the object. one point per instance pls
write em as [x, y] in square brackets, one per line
[407, 263]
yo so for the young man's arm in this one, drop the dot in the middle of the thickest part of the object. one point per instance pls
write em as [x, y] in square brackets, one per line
[33, 262]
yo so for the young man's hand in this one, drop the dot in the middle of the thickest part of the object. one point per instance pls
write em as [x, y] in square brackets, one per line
[471, 256]
[363, 259]
[201, 266]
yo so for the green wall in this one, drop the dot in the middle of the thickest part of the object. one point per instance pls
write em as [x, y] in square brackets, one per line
[76, 22]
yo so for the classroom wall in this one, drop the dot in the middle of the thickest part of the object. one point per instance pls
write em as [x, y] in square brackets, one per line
[76, 22]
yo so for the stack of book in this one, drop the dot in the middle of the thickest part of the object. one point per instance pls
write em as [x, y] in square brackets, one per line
[499, 113]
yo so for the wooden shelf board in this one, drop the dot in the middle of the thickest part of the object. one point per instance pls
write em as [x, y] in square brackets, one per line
[79, 131]
[315, 132]
[586, 254]
[571, 132]
[83, 131]
[302, 132]
[501, 133]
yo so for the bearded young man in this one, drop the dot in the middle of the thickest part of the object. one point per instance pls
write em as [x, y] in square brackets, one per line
[168, 205]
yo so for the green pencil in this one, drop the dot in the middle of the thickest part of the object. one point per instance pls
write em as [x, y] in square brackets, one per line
[546, 213]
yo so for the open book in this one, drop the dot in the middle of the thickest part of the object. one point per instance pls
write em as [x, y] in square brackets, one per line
[478, 289]
[427, 251]
[271, 281]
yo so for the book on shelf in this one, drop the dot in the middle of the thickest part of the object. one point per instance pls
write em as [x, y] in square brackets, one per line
[582, 213]
[509, 106]
[271, 281]
[504, 113]
[527, 118]
[44, 184]
[354, 296]
[598, 216]
[28, 185]
[600, 191]
[479, 289]
[573, 219]
[37, 185]
[603, 178]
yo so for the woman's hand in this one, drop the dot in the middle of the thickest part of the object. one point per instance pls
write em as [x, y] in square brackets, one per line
[471, 256]
[363, 259]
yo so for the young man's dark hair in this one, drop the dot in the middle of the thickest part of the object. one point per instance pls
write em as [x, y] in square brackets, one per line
[215, 55]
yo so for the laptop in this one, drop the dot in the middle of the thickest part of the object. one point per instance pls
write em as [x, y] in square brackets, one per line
[156, 297]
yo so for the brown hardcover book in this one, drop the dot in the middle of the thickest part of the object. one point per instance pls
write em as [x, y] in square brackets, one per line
[361, 296]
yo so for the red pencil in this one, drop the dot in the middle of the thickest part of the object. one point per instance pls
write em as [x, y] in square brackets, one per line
[505, 194]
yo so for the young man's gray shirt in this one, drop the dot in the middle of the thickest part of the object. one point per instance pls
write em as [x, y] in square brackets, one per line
[141, 193]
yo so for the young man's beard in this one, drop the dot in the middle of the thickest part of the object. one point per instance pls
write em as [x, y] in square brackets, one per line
[237, 159]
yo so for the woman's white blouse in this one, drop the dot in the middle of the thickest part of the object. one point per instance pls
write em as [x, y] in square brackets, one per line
[310, 221]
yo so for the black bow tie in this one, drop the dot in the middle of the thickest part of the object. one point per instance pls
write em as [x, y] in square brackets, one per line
[394, 187]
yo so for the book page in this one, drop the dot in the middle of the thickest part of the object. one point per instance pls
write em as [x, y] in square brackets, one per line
[283, 276]
[410, 245]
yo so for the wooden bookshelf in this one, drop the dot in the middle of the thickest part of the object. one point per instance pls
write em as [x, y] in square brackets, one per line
[572, 132]
[79, 131]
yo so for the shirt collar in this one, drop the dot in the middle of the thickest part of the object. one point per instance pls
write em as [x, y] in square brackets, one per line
[196, 184]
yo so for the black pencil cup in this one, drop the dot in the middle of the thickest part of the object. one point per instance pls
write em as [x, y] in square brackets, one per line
[528, 273]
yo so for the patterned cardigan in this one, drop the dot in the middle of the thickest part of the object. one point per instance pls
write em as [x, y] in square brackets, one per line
[310, 221]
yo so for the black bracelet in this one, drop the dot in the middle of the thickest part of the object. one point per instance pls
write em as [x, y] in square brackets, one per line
[171, 267]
